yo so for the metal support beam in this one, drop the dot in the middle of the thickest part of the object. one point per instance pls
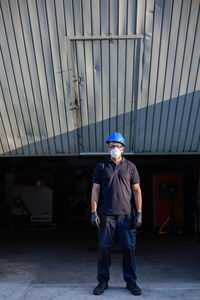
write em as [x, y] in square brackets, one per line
[104, 37]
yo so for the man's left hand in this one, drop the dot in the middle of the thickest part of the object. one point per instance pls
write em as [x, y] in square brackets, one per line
[138, 220]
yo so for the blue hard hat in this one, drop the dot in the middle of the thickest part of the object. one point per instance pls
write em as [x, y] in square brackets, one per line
[116, 137]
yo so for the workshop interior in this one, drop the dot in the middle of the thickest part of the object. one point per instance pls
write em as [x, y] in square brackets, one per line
[54, 194]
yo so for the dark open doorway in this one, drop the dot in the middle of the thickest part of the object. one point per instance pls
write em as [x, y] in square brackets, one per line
[55, 191]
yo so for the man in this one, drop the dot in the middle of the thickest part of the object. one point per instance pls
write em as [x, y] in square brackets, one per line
[115, 180]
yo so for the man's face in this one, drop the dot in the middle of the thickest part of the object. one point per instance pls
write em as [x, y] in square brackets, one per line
[111, 145]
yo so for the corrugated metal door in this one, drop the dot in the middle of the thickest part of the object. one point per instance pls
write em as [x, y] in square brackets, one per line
[105, 78]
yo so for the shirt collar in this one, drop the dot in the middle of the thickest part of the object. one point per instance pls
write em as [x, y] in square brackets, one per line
[121, 161]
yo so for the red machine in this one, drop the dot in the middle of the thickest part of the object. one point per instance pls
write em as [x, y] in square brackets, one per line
[168, 204]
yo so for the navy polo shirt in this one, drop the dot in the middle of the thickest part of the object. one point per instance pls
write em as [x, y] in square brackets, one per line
[116, 182]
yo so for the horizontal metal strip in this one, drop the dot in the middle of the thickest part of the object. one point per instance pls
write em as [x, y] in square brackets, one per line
[139, 153]
[41, 155]
[105, 37]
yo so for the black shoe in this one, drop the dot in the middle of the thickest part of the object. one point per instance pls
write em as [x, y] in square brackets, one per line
[100, 288]
[134, 288]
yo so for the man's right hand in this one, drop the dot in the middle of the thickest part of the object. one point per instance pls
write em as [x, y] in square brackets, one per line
[95, 221]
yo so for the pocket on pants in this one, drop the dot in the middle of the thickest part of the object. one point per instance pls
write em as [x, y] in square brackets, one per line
[130, 222]
[103, 222]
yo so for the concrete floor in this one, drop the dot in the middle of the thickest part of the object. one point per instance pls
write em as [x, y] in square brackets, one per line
[55, 265]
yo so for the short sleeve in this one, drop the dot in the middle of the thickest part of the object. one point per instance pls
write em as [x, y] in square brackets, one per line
[97, 174]
[134, 175]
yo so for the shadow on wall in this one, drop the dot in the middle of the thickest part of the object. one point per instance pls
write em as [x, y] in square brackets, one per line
[171, 126]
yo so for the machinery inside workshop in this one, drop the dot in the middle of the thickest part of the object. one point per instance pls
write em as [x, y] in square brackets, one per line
[53, 194]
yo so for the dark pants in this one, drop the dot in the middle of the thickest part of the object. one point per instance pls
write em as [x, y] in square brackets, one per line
[127, 236]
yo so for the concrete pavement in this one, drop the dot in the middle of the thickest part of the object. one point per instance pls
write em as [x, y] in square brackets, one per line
[62, 266]
[60, 292]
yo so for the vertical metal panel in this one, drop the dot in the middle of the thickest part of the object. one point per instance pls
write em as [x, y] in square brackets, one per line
[129, 95]
[193, 119]
[69, 95]
[113, 86]
[40, 80]
[195, 143]
[161, 72]
[89, 72]
[177, 73]
[80, 63]
[29, 65]
[39, 112]
[153, 75]
[4, 139]
[54, 73]
[95, 30]
[105, 89]
[145, 25]
[105, 62]
[6, 125]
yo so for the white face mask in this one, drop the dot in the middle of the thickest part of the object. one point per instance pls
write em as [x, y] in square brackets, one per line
[115, 153]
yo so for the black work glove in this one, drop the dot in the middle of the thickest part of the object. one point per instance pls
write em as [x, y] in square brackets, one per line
[138, 220]
[95, 221]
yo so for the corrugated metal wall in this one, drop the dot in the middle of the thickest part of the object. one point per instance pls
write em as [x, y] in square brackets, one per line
[168, 113]
[64, 98]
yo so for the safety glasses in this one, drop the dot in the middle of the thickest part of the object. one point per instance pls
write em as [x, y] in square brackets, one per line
[113, 146]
